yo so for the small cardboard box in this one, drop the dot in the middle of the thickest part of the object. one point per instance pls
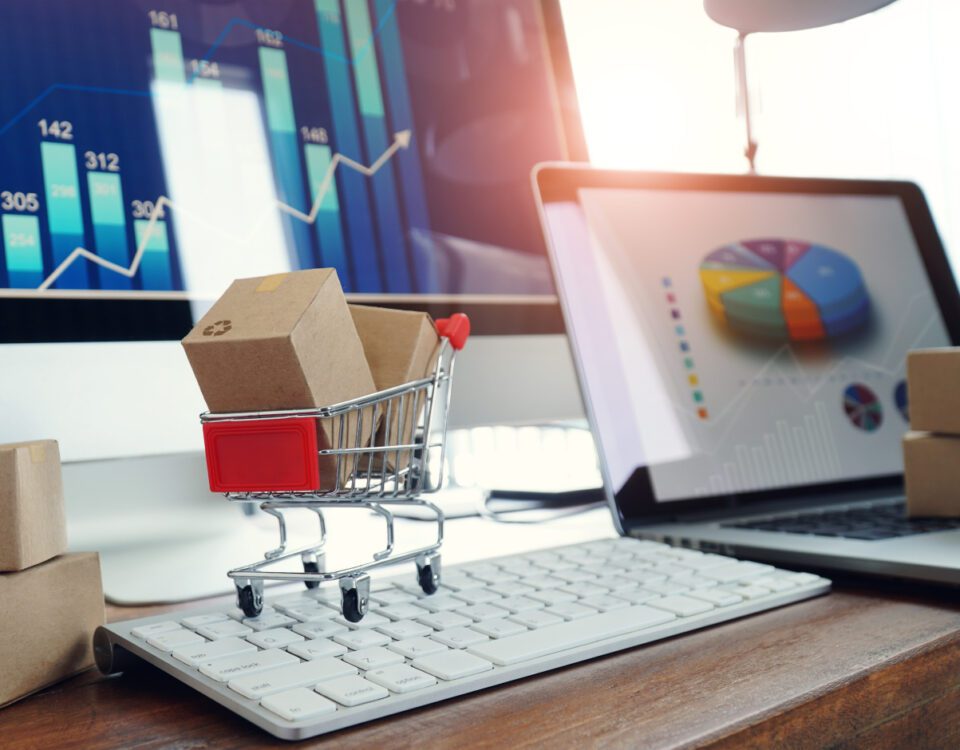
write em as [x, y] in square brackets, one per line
[933, 390]
[400, 346]
[283, 342]
[33, 526]
[50, 612]
[931, 467]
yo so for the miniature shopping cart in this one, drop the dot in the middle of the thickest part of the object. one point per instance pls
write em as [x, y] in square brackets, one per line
[373, 452]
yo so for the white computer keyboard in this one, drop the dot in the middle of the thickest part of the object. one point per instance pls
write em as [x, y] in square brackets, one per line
[301, 670]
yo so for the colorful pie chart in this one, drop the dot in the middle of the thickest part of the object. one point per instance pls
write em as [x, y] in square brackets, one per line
[862, 407]
[785, 290]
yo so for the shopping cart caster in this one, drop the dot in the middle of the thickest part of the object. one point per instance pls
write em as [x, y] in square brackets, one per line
[250, 597]
[311, 564]
[428, 573]
[355, 597]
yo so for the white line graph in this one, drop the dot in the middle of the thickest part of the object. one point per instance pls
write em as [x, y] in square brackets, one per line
[401, 140]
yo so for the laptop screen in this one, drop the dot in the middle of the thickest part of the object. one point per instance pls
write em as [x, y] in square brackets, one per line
[740, 341]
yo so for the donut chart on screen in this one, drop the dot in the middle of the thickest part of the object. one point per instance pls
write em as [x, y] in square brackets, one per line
[785, 290]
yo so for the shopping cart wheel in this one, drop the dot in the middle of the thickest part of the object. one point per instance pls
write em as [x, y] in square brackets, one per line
[250, 599]
[311, 564]
[428, 573]
[355, 597]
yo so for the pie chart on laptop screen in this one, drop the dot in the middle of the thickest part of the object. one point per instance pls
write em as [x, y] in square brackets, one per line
[785, 290]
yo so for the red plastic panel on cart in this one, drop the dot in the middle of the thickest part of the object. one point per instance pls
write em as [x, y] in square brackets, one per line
[264, 455]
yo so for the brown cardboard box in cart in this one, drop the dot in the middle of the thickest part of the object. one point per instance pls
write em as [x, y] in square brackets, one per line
[50, 612]
[33, 527]
[283, 342]
[931, 472]
[400, 346]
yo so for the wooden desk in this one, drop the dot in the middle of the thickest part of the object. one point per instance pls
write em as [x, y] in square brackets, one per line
[860, 667]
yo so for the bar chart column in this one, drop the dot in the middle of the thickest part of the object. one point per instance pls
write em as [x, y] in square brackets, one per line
[167, 56]
[408, 161]
[286, 150]
[346, 138]
[64, 213]
[155, 273]
[24, 259]
[329, 231]
[370, 98]
[109, 227]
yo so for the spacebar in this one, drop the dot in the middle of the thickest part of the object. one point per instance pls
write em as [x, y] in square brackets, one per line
[554, 638]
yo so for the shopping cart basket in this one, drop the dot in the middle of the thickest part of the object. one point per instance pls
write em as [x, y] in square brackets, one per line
[276, 459]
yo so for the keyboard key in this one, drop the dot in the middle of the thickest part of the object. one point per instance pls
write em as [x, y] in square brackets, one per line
[717, 597]
[155, 628]
[775, 583]
[802, 579]
[298, 704]
[403, 611]
[638, 596]
[481, 612]
[520, 604]
[551, 640]
[317, 648]
[604, 602]
[584, 589]
[268, 621]
[365, 638]
[457, 581]
[459, 637]
[665, 588]
[225, 629]
[373, 658]
[510, 588]
[682, 606]
[405, 629]
[692, 581]
[174, 639]
[223, 670]
[313, 613]
[452, 665]
[499, 628]
[748, 590]
[414, 647]
[537, 618]
[304, 674]
[575, 576]
[570, 611]
[274, 638]
[199, 620]
[542, 582]
[197, 653]
[401, 679]
[619, 583]
[497, 577]
[478, 596]
[553, 596]
[370, 620]
[392, 596]
[321, 629]
[352, 691]
[439, 603]
[736, 571]
[444, 620]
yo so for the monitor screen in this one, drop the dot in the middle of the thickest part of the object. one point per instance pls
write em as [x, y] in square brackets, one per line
[736, 342]
[153, 153]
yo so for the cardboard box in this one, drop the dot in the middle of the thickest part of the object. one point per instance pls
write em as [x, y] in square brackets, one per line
[49, 614]
[283, 342]
[400, 346]
[932, 474]
[33, 526]
[933, 390]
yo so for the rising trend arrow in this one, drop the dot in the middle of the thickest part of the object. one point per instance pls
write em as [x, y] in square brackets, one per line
[401, 140]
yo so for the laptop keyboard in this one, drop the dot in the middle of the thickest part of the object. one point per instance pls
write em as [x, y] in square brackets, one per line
[873, 523]
[300, 669]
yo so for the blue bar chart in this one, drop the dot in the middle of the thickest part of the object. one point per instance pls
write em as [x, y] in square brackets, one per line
[109, 227]
[64, 210]
[21, 240]
[329, 233]
[155, 271]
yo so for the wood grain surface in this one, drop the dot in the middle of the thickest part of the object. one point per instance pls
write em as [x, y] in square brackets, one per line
[861, 667]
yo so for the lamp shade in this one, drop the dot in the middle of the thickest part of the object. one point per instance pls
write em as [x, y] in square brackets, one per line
[749, 16]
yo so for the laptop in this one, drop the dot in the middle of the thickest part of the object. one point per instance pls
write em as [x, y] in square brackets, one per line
[741, 346]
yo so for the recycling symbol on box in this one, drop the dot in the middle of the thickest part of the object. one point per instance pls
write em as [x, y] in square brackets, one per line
[218, 329]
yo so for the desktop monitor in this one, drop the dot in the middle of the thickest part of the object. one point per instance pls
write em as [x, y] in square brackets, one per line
[152, 153]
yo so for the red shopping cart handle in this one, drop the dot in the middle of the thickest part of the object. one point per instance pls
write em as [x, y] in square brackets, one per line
[456, 328]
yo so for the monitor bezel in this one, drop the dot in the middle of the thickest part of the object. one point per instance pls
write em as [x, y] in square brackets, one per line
[635, 503]
[71, 318]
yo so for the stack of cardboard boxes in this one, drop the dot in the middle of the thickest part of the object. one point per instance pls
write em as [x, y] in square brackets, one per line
[51, 601]
[931, 450]
[291, 341]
